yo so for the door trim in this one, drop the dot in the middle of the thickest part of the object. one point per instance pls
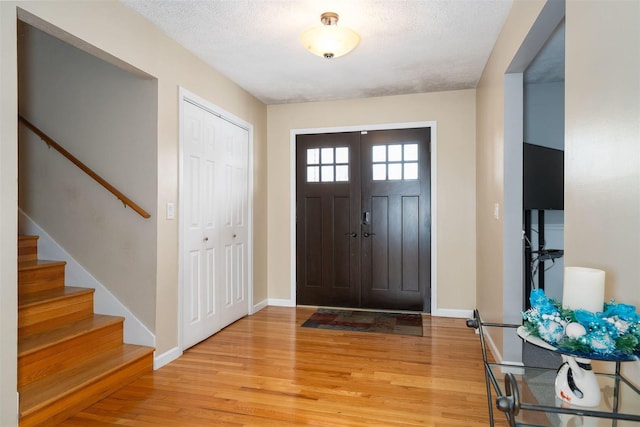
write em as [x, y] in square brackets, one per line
[185, 95]
[359, 128]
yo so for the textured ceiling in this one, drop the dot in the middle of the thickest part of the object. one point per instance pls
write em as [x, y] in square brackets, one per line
[408, 46]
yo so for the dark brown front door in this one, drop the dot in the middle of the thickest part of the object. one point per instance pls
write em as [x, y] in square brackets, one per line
[328, 219]
[364, 219]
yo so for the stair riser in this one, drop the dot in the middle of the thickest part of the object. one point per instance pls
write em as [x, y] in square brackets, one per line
[43, 316]
[40, 279]
[38, 364]
[77, 400]
[27, 248]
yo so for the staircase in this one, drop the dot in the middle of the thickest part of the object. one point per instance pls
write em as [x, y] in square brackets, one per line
[68, 357]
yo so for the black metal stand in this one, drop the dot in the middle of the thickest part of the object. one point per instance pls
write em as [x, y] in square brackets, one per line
[529, 252]
[528, 257]
[538, 253]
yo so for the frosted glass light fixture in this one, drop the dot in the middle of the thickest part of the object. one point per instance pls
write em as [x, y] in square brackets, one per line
[329, 40]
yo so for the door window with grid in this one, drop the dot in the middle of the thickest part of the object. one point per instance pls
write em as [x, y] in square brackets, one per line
[328, 164]
[395, 162]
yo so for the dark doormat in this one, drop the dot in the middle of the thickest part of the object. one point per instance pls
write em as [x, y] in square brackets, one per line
[366, 321]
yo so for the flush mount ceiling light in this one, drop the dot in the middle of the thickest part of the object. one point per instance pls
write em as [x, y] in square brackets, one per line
[329, 40]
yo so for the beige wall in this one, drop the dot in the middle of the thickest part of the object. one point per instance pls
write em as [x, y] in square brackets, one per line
[602, 140]
[490, 156]
[602, 174]
[454, 113]
[113, 31]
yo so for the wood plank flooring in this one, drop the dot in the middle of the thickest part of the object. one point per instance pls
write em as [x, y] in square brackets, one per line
[266, 370]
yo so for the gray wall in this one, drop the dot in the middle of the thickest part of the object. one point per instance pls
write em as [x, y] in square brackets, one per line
[106, 117]
[544, 125]
[544, 114]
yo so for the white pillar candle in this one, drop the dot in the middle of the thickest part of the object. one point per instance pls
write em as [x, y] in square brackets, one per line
[583, 288]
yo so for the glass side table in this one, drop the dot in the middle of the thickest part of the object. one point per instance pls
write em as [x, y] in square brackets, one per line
[526, 395]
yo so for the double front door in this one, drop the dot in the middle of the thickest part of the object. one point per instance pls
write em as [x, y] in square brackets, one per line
[363, 221]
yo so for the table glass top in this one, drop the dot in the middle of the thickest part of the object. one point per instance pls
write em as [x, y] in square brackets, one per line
[536, 387]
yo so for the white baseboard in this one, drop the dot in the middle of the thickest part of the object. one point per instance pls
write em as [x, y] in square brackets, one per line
[165, 358]
[281, 302]
[445, 312]
[259, 306]
[491, 345]
[498, 356]
[104, 302]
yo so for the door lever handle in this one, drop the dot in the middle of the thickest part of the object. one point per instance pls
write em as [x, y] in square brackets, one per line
[354, 234]
[365, 234]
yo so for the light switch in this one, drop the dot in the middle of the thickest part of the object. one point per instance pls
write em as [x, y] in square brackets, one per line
[171, 214]
[496, 211]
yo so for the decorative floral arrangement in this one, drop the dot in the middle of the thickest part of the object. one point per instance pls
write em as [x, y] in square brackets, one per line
[613, 332]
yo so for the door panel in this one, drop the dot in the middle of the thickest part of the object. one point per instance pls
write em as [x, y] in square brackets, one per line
[192, 309]
[341, 243]
[365, 242]
[379, 276]
[228, 275]
[312, 242]
[410, 248]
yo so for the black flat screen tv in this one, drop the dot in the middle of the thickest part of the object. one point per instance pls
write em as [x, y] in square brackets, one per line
[543, 175]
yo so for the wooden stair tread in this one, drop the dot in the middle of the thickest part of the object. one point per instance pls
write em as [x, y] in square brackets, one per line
[33, 265]
[48, 295]
[40, 340]
[47, 390]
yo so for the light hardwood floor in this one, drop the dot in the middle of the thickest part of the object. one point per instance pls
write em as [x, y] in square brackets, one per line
[266, 370]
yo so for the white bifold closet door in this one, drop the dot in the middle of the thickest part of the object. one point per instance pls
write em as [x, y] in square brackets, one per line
[214, 223]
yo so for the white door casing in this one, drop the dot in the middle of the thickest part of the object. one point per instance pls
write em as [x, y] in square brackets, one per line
[214, 222]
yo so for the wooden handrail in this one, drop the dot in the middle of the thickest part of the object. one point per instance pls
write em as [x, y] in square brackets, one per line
[51, 143]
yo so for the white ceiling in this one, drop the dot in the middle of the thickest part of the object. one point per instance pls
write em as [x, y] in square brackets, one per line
[408, 46]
